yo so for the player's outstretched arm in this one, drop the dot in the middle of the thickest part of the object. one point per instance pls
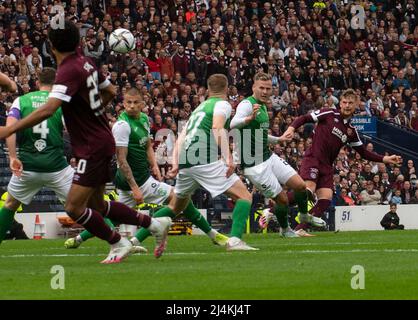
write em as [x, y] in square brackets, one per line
[15, 164]
[155, 169]
[393, 159]
[7, 84]
[287, 135]
[313, 117]
[33, 119]
[375, 157]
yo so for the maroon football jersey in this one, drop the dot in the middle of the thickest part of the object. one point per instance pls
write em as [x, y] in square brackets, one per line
[331, 134]
[77, 84]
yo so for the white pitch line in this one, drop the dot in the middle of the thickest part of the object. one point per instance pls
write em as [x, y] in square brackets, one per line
[285, 243]
[353, 251]
[321, 244]
[92, 255]
[222, 253]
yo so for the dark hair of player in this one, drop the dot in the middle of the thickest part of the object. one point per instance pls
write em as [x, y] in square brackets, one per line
[65, 40]
[47, 76]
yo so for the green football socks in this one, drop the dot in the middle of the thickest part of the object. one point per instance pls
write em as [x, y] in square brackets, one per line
[6, 220]
[239, 217]
[281, 212]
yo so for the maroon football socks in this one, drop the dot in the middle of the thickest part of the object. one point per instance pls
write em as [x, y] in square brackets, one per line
[95, 224]
[320, 207]
[121, 213]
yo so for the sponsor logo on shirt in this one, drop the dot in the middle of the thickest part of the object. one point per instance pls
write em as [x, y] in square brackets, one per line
[337, 132]
[87, 66]
[143, 141]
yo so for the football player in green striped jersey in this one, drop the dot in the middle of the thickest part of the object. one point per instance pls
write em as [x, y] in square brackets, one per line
[41, 161]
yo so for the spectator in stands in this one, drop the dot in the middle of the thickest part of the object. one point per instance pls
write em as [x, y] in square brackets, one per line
[355, 194]
[344, 199]
[413, 122]
[180, 62]
[154, 65]
[370, 196]
[414, 199]
[391, 219]
[396, 198]
[166, 66]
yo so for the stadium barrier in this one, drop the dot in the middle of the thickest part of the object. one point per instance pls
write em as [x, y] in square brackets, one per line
[357, 218]
[53, 229]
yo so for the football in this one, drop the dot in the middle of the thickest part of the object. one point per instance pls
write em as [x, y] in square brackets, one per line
[121, 41]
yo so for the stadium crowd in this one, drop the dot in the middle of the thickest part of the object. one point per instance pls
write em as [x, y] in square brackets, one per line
[310, 48]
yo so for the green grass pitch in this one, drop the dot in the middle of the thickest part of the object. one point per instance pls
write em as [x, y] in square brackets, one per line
[193, 268]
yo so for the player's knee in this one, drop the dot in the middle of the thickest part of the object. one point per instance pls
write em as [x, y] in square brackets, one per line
[74, 212]
[101, 206]
[246, 196]
[299, 185]
[282, 199]
[11, 203]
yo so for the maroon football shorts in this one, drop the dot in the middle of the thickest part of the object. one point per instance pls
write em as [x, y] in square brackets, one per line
[320, 173]
[93, 172]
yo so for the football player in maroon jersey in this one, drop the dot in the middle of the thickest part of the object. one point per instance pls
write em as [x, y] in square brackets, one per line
[82, 92]
[332, 132]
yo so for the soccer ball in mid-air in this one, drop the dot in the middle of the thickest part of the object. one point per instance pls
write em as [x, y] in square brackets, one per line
[121, 41]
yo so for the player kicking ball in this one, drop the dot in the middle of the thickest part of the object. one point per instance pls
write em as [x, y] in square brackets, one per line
[266, 171]
[133, 181]
[332, 132]
[82, 93]
[196, 162]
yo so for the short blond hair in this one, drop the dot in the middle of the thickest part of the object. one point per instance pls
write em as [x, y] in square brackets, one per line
[349, 93]
[217, 83]
[134, 92]
[262, 76]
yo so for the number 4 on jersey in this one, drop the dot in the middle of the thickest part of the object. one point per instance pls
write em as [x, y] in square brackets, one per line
[42, 129]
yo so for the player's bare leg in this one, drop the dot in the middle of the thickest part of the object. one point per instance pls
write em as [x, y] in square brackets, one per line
[243, 198]
[77, 208]
[7, 213]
